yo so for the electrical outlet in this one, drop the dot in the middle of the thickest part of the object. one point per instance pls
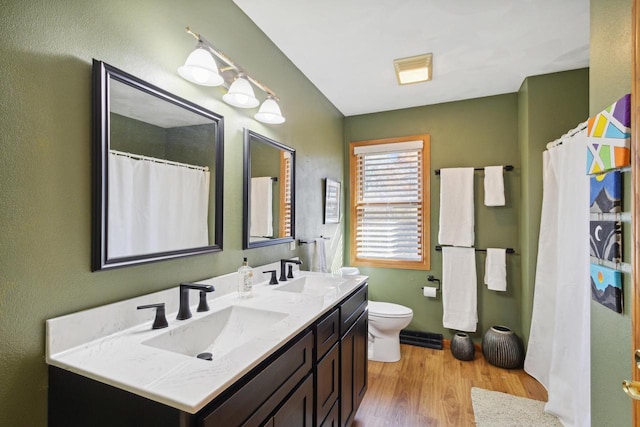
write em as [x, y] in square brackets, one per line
[292, 245]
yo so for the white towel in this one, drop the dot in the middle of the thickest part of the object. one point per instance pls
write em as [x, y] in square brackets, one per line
[320, 256]
[493, 186]
[261, 207]
[495, 269]
[459, 289]
[456, 207]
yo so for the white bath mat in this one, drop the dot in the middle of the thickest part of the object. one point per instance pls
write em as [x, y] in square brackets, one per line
[495, 409]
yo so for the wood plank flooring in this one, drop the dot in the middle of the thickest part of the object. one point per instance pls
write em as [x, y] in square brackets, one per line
[432, 388]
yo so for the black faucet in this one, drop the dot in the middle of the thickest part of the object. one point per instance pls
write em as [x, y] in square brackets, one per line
[283, 263]
[274, 280]
[184, 312]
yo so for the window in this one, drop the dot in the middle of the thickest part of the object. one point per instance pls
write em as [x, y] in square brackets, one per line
[389, 213]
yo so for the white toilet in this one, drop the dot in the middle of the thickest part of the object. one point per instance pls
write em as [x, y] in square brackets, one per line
[385, 322]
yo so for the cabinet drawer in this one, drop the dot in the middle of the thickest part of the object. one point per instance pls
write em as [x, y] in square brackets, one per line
[258, 397]
[327, 333]
[352, 308]
[327, 383]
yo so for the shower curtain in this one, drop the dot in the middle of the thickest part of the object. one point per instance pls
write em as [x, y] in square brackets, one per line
[558, 353]
[155, 207]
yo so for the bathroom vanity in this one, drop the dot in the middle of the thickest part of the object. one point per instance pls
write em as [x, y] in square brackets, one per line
[293, 354]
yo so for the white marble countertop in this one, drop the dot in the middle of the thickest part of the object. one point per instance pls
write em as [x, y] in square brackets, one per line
[106, 343]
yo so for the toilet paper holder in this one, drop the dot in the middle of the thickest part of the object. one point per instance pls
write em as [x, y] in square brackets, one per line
[431, 278]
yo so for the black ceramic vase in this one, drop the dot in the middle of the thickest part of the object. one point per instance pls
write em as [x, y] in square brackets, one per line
[501, 347]
[462, 346]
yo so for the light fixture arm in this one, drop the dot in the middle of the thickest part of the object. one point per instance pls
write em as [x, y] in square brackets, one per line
[224, 58]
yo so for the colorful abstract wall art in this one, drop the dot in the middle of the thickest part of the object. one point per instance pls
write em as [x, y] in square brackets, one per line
[605, 193]
[606, 240]
[608, 137]
[606, 287]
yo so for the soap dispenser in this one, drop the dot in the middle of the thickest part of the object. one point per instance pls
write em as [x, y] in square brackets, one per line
[245, 279]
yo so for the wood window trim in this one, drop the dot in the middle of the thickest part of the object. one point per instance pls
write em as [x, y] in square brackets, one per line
[425, 264]
[285, 196]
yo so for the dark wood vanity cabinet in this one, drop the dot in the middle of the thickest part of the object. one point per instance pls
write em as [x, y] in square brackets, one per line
[317, 379]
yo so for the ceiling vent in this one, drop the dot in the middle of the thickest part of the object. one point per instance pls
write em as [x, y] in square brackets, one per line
[414, 69]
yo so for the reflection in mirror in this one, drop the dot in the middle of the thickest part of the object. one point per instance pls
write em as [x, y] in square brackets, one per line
[269, 196]
[157, 173]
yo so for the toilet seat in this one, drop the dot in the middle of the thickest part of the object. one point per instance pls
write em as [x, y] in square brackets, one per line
[388, 310]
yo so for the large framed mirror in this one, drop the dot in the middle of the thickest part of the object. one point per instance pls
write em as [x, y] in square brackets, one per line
[269, 192]
[157, 173]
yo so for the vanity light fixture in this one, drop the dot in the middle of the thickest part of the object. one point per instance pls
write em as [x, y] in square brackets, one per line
[203, 67]
[414, 69]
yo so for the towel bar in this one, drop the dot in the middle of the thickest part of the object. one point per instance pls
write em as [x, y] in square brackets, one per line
[307, 241]
[509, 250]
[507, 168]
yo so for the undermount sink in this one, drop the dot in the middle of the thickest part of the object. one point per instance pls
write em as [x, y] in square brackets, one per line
[218, 332]
[311, 285]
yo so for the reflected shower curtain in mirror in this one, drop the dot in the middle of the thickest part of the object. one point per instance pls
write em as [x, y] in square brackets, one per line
[558, 353]
[155, 207]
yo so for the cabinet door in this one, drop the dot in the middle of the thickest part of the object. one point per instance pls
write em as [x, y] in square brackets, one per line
[297, 410]
[353, 369]
[327, 383]
[333, 419]
[361, 359]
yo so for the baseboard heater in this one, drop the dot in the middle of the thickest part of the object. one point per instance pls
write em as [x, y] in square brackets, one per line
[421, 339]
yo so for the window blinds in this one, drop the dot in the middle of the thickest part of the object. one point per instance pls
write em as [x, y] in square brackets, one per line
[389, 216]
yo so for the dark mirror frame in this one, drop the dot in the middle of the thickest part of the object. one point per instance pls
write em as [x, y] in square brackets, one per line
[102, 74]
[249, 136]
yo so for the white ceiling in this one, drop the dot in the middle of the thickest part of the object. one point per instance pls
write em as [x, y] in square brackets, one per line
[480, 48]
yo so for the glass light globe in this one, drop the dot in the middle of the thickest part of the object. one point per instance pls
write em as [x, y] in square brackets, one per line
[241, 94]
[201, 68]
[270, 112]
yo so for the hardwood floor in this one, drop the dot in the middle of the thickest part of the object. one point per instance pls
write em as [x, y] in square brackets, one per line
[432, 388]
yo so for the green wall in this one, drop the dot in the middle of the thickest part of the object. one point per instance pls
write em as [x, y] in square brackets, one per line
[477, 132]
[548, 106]
[45, 162]
[611, 349]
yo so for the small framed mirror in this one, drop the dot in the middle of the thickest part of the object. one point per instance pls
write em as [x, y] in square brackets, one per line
[157, 173]
[268, 192]
[331, 201]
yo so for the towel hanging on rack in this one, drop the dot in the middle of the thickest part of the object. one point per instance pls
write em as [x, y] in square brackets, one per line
[456, 207]
[459, 289]
[494, 186]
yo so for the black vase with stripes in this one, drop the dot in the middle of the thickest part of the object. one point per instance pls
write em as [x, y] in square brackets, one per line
[501, 347]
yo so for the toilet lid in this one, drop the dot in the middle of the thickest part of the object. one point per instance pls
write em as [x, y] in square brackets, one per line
[387, 309]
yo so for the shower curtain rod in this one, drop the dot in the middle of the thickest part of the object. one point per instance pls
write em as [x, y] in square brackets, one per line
[507, 168]
[509, 250]
[156, 160]
[569, 134]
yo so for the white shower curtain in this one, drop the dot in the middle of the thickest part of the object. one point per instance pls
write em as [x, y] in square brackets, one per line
[558, 353]
[155, 207]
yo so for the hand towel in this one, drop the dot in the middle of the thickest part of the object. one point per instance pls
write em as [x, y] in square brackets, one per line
[495, 269]
[493, 186]
[456, 207]
[459, 289]
[320, 256]
[261, 207]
